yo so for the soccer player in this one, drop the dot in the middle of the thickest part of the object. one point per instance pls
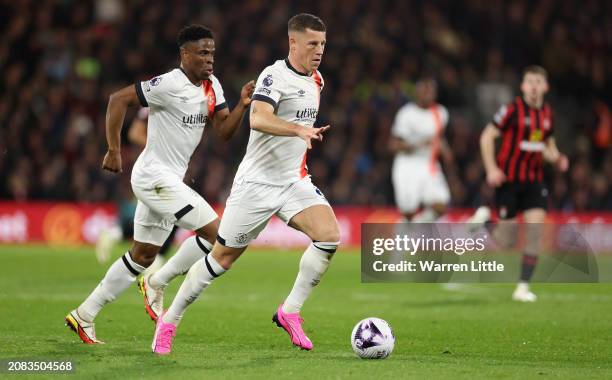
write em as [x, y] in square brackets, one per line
[526, 127]
[417, 139]
[273, 180]
[181, 103]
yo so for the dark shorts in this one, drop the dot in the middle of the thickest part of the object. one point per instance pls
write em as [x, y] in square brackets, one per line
[512, 198]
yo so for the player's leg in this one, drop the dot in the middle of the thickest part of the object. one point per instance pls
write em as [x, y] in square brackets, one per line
[247, 212]
[406, 187]
[308, 211]
[321, 226]
[163, 251]
[149, 235]
[435, 197]
[199, 277]
[193, 213]
[532, 200]
[533, 219]
[161, 257]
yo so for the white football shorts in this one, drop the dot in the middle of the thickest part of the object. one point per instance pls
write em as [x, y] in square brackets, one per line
[414, 185]
[166, 202]
[251, 205]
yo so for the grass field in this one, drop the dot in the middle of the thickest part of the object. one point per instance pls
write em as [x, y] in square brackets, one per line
[473, 332]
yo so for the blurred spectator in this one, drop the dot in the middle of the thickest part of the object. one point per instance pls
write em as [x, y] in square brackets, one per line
[60, 60]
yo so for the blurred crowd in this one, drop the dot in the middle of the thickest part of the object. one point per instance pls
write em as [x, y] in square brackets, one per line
[60, 60]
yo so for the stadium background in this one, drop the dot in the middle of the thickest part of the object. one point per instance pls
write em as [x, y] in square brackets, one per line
[60, 60]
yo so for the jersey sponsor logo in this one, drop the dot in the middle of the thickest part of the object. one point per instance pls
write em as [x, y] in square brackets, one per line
[527, 120]
[155, 81]
[267, 81]
[531, 146]
[195, 121]
[263, 90]
[307, 113]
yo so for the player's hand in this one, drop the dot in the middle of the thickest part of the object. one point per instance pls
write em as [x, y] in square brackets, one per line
[247, 92]
[307, 134]
[495, 177]
[112, 161]
[562, 163]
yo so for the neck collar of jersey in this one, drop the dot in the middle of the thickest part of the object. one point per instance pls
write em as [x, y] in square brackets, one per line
[185, 73]
[527, 104]
[290, 66]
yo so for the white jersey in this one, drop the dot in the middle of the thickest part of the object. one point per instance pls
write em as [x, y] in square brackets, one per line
[179, 111]
[416, 125]
[281, 160]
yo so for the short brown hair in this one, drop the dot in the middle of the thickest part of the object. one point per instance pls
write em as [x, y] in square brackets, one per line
[303, 21]
[535, 69]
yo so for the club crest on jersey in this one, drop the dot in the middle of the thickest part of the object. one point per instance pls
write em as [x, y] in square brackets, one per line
[267, 81]
[155, 81]
[301, 93]
[241, 238]
[211, 100]
[546, 124]
[536, 136]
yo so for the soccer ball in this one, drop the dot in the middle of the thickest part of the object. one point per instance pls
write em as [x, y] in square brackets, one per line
[372, 338]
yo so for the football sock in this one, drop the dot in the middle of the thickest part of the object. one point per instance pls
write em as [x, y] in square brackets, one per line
[200, 275]
[527, 266]
[191, 250]
[119, 277]
[313, 265]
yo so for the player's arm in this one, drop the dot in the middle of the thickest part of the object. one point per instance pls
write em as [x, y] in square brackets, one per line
[551, 154]
[495, 176]
[115, 113]
[264, 120]
[446, 152]
[226, 122]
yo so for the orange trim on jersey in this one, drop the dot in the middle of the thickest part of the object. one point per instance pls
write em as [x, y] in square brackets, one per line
[303, 166]
[209, 94]
[318, 81]
[435, 145]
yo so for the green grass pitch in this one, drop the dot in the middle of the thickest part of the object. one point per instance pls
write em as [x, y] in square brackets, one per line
[473, 332]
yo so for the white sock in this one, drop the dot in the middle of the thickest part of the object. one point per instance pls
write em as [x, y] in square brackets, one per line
[428, 215]
[191, 250]
[200, 275]
[313, 265]
[119, 277]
